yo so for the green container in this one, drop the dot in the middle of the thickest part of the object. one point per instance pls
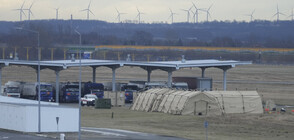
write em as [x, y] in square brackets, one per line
[103, 103]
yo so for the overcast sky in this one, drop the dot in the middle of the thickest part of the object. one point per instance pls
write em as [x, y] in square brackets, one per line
[155, 10]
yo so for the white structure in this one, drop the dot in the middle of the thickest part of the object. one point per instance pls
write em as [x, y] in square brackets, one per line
[22, 115]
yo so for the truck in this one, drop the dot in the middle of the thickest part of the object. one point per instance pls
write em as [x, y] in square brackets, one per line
[129, 90]
[30, 90]
[195, 83]
[69, 92]
[93, 88]
[12, 89]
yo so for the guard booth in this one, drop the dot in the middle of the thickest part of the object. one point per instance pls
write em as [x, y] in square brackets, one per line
[74, 51]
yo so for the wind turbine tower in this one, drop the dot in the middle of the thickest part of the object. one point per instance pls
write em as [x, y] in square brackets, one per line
[21, 11]
[171, 16]
[278, 14]
[208, 13]
[57, 10]
[88, 10]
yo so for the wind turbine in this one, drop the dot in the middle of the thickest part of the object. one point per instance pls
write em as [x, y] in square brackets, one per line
[30, 12]
[21, 11]
[171, 16]
[88, 10]
[118, 15]
[278, 13]
[139, 15]
[251, 15]
[188, 13]
[207, 12]
[196, 13]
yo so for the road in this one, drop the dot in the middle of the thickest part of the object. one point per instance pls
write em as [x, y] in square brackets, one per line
[88, 133]
[10, 135]
[117, 134]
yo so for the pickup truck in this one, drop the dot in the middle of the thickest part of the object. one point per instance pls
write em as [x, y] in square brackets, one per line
[88, 99]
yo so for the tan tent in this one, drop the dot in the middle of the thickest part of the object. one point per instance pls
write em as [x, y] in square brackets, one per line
[198, 103]
[238, 101]
[152, 99]
[159, 100]
[142, 99]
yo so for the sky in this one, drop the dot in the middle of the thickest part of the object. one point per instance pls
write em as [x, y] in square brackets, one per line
[154, 10]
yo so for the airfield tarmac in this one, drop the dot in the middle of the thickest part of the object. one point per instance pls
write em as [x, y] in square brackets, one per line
[272, 82]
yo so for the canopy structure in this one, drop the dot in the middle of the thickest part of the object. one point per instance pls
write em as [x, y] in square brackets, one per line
[168, 66]
[199, 103]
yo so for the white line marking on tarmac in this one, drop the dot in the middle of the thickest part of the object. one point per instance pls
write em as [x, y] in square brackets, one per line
[104, 133]
[116, 130]
[5, 137]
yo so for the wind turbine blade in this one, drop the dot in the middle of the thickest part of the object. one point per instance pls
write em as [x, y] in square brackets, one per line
[253, 12]
[84, 10]
[117, 11]
[209, 7]
[190, 8]
[274, 14]
[138, 10]
[22, 4]
[194, 5]
[193, 13]
[89, 4]
[203, 10]
[283, 14]
[31, 5]
[91, 12]
[23, 12]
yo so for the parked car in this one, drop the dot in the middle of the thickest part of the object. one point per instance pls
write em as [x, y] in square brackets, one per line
[88, 99]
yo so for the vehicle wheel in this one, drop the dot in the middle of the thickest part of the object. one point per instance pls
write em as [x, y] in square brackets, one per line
[88, 104]
[82, 104]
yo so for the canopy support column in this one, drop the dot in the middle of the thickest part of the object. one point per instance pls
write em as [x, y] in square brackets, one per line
[203, 72]
[1, 78]
[225, 80]
[57, 86]
[149, 75]
[169, 80]
[113, 79]
[94, 75]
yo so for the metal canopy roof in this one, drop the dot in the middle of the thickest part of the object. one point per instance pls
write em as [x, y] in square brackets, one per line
[112, 63]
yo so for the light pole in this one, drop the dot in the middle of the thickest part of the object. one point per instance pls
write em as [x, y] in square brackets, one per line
[80, 82]
[38, 74]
